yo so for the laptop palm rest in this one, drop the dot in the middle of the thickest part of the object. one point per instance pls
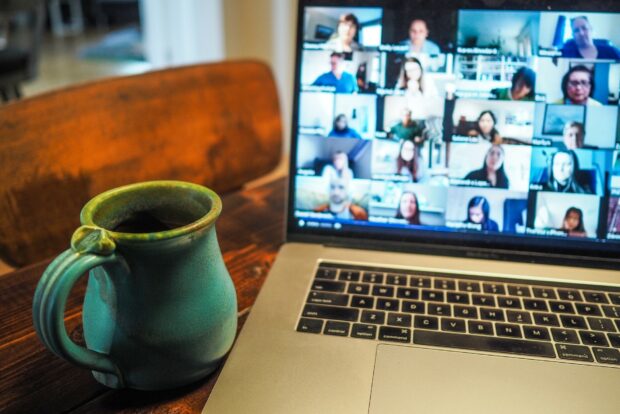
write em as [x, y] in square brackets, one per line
[419, 380]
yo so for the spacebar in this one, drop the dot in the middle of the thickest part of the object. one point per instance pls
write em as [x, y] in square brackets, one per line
[484, 343]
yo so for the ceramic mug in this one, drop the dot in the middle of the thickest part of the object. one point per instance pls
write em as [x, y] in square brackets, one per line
[160, 309]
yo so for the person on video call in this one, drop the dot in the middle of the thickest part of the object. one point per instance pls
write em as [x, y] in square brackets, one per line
[408, 208]
[341, 129]
[418, 39]
[344, 38]
[522, 89]
[614, 217]
[582, 44]
[485, 128]
[572, 224]
[562, 173]
[343, 81]
[492, 171]
[478, 211]
[340, 204]
[408, 162]
[408, 129]
[578, 87]
[573, 135]
[339, 168]
[411, 79]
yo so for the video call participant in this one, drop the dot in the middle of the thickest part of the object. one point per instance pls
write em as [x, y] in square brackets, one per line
[340, 205]
[492, 171]
[408, 162]
[411, 79]
[614, 217]
[572, 224]
[407, 129]
[408, 208]
[573, 135]
[418, 39]
[339, 168]
[478, 211]
[344, 38]
[562, 174]
[578, 87]
[485, 128]
[341, 129]
[343, 81]
[522, 89]
[583, 45]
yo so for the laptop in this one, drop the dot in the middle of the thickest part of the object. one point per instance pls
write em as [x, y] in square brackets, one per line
[453, 225]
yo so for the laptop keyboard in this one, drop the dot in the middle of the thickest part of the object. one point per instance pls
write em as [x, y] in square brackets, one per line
[550, 320]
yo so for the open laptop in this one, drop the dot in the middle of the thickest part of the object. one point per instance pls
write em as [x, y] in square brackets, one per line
[453, 226]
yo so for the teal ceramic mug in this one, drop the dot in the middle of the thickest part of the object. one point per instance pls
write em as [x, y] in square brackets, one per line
[160, 309]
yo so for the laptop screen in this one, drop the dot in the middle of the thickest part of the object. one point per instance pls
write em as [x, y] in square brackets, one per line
[458, 126]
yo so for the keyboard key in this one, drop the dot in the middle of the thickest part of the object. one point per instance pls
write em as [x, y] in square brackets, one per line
[544, 293]
[564, 335]
[492, 314]
[574, 352]
[593, 338]
[310, 325]
[519, 291]
[399, 280]
[331, 312]
[366, 302]
[611, 311]
[432, 295]
[440, 309]
[326, 273]
[349, 275]
[452, 325]
[518, 317]
[337, 328]
[468, 286]
[387, 304]
[412, 306]
[445, 284]
[425, 322]
[458, 297]
[359, 330]
[615, 298]
[387, 291]
[465, 312]
[399, 319]
[421, 282]
[535, 305]
[587, 309]
[327, 298]
[494, 288]
[614, 339]
[483, 300]
[561, 307]
[377, 317]
[600, 324]
[568, 294]
[508, 302]
[480, 328]
[607, 355]
[328, 286]
[573, 322]
[407, 293]
[596, 297]
[546, 319]
[389, 333]
[536, 332]
[373, 277]
[505, 329]
[359, 289]
[485, 344]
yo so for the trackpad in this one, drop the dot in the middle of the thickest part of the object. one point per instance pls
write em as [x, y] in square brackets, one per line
[417, 380]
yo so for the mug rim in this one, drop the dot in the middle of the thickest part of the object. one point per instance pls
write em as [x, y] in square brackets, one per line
[89, 209]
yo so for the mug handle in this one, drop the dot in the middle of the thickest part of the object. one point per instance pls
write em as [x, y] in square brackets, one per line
[90, 247]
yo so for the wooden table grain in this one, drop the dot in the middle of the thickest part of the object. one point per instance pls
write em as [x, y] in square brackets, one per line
[33, 380]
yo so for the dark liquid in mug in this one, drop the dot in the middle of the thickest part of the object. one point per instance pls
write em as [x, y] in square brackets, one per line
[148, 222]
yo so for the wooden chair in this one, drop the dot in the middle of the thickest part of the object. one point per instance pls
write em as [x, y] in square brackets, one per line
[213, 124]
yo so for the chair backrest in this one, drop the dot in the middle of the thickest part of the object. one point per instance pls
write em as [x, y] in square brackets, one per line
[213, 124]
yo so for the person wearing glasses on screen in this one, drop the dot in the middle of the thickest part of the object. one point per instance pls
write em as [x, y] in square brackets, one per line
[522, 89]
[578, 87]
[340, 205]
[478, 212]
[492, 171]
[409, 208]
[343, 81]
[584, 46]
[562, 174]
[485, 128]
[343, 40]
[572, 224]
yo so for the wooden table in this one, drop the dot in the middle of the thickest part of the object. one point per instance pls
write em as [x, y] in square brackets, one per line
[33, 380]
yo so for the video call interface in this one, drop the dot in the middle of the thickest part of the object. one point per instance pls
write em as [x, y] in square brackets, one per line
[505, 124]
